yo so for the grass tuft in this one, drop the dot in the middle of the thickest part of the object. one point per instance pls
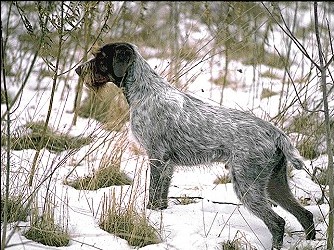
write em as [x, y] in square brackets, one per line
[127, 224]
[108, 174]
[33, 138]
[266, 93]
[47, 233]
[239, 242]
[222, 179]
[308, 148]
[230, 245]
[185, 200]
[3, 97]
[312, 130]
[15, 209]
[43, 228]
[270, 74]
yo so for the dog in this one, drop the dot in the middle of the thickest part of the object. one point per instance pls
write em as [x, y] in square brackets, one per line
[176, 128]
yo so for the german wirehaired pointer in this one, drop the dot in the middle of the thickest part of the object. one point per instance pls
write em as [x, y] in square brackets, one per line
[177, 129]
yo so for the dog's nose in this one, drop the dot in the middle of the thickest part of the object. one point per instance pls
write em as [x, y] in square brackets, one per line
[78, 70]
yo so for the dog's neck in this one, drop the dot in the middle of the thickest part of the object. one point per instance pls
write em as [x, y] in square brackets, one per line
[137, 87]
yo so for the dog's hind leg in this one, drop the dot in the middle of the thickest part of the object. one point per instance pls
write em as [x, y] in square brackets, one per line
[279, 191]
[252, 193]
[160, 178]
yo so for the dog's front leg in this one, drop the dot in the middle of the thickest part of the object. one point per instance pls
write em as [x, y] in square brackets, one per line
[160, 178]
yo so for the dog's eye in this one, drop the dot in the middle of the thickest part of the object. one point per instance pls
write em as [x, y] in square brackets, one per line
[102, 67]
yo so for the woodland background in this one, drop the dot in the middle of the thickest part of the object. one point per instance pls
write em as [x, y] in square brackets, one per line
[278, 56]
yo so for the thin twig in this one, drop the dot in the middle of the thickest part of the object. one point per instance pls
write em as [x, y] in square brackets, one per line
[201, 198]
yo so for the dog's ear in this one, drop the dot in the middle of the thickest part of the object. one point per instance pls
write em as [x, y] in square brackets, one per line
[123, 57]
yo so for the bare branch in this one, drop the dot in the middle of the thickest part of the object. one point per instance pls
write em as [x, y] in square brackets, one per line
[287, 31]
[201, 198]
[330, 180]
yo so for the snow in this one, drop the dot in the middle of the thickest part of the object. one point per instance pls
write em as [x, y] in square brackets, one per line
[215, 216]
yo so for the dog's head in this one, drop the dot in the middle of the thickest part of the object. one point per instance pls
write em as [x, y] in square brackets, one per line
[110, 64]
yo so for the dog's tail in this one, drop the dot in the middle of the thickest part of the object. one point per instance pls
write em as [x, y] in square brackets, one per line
[290, 152]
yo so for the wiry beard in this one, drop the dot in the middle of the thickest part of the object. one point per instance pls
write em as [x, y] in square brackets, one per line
[90, 79]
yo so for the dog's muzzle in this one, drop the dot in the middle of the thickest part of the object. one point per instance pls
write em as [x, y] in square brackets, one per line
[78, 70]
[90, 77]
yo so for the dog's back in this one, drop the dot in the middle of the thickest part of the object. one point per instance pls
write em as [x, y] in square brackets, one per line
[189, 131]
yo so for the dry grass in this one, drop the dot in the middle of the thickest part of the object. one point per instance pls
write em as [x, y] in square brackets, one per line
[15, 209]
[127, 224]
[33, 136]
[243, 17]
[185, 200]
[266, 93]
[43, 228]
[107, 106]
[312, 133]
[222, 179]
[270, 74]
[239, 242]
[47, 233]
[308, 148]
[230, 245]
[108, 174]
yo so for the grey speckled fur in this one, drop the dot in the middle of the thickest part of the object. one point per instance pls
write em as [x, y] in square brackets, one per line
[176, 128]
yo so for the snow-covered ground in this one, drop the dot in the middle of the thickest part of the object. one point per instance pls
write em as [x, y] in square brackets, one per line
[215, 216]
